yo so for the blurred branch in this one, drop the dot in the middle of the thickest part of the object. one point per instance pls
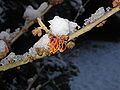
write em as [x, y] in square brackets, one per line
[25, 28]
[79, 11]
[34, 78]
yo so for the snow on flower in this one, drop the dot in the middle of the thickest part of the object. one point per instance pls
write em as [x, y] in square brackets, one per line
[43, 42]
[60, 26]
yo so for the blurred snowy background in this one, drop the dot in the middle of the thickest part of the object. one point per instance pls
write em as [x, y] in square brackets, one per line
[96, 55]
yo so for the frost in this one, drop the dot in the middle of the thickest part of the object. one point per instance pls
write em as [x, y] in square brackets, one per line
[31, 13]
[61, 26]
[43, 42]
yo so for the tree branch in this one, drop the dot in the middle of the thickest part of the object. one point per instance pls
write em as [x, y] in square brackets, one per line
[72, 36]
[92, 25]
[25, 28]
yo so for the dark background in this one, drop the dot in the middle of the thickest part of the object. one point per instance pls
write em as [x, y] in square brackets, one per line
[12, 18]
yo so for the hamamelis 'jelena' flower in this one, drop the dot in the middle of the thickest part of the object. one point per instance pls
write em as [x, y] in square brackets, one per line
[56, 44]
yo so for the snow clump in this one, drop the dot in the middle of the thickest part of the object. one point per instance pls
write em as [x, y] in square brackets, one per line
[99, 13]
[3, 45]
[43, 42]
[31, 13]
[60, 26]
[4, 35]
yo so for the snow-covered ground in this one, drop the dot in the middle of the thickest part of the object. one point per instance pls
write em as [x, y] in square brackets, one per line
[99, 64]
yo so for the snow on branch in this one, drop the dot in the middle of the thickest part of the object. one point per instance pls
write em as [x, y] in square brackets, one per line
[57, 39]
[30, 16]
[93, 24]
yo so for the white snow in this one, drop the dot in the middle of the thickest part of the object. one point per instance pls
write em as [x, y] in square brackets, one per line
[31, 13]
[43, 42]
[99, 13]
[3, 45]
[32, 51]
[7, 59]
[60, 26]
[4, 35]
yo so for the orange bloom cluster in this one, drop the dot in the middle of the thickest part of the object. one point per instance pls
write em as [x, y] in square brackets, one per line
[115, 3]
[57, 44]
